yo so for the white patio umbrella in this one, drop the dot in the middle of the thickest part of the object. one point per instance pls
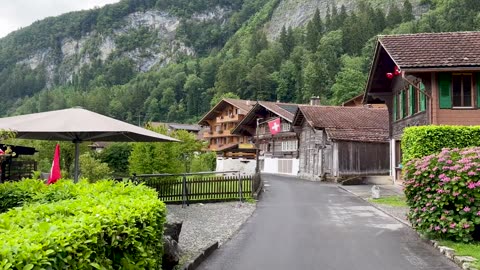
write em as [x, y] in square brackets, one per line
[77, 125]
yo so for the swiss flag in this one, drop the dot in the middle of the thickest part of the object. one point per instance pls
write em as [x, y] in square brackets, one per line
[55, 171]
[274, 126]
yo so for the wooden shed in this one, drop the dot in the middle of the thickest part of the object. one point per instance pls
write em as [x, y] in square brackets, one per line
[341, 142]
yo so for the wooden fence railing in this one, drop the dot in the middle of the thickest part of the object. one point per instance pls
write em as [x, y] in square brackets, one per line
[199, 187]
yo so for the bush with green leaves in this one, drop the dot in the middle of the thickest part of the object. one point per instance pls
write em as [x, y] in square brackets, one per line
[422, 141]
[443, 192]
[14, 194]
[105, 225]
[93, 169]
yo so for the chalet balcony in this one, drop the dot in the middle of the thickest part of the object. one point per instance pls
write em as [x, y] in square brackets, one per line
[230, 118]
[219, 133]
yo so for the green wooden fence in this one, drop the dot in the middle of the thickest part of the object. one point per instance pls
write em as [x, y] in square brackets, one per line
[200, 187]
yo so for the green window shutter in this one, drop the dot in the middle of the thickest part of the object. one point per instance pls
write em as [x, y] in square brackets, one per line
[401, 101]
[423, 100]
[444, 87]
[411, 103]
[478, 90]
[395, 108]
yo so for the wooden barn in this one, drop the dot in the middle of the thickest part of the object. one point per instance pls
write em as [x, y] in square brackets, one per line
[341, 142]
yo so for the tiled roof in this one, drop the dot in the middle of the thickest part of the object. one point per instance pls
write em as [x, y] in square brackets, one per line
[284, 110]
[459, 49]
[370, 135]
[348, 123]
[243, 105]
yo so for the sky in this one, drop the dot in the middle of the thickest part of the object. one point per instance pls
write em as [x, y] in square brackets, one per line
[15, 14]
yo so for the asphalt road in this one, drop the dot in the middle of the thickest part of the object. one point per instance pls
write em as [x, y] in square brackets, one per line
[306, 225]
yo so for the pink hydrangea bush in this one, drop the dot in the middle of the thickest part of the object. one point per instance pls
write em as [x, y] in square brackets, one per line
[443, 192]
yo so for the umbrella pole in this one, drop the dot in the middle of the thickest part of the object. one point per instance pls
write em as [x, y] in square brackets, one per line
[77, 156]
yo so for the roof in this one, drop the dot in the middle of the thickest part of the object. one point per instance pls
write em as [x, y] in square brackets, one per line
[452, 49]
[177, 126]
[243, 105]
[346, 123]
[285, 111]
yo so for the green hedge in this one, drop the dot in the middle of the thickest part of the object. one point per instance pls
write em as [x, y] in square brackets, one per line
[14, 194]
[105, 225]
[422, 141]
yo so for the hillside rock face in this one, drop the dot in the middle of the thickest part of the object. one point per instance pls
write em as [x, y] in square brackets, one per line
[296, 13]
[77, 53]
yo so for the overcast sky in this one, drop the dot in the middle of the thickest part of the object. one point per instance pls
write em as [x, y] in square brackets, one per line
[20, 13]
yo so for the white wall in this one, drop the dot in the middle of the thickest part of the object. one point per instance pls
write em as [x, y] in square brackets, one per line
[271, 165]
[245, 166]
[392, 160]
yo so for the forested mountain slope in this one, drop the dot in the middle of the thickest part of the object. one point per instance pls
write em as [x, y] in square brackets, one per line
[168, 60]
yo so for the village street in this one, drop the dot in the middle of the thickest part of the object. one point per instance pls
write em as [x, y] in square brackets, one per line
[310, 225]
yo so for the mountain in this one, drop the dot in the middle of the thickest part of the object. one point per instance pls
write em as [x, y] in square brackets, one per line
[168, 60]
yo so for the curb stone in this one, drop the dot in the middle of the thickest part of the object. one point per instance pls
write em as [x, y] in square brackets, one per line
[464, 262]
[201, 257]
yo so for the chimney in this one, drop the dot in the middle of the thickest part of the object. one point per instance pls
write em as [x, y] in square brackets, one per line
[315, 101]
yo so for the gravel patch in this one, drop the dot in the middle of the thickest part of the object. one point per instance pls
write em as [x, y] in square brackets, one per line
[204, 224]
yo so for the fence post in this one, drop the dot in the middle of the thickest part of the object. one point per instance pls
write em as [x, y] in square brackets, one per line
[240, 186]
[184, 191]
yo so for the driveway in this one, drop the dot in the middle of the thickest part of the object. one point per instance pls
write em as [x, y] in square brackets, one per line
[308, 225]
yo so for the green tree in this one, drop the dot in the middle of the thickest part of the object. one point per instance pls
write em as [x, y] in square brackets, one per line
[116, 155]
[407, 11]
[92, 169]
[193, 87]
[219, 96]
[350, 81]
[394, 16]
[260, 84]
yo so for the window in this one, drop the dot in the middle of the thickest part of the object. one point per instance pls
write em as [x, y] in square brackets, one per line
[285, 126]
[457, 90]
[289, 145]
[462, 90]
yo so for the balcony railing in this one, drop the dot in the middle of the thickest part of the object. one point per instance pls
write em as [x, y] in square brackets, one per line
[229, 118]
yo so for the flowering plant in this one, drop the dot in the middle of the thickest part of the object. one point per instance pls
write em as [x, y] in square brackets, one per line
[443, 192]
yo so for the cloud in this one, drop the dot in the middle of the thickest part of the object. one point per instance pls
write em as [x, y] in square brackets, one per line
[15, 14]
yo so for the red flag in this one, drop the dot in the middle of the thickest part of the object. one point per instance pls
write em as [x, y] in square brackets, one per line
[274, 126]
[55, 171]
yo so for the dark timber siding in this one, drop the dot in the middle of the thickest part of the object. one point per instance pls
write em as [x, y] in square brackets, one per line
[359, 158]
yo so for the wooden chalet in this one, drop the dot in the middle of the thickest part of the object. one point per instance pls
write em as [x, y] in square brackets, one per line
[426, 79]
[278, 153]
[341, 142]
[234, 152]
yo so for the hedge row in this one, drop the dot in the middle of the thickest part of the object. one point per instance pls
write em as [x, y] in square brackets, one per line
[422, 141]
[105, 225]
[443, 192]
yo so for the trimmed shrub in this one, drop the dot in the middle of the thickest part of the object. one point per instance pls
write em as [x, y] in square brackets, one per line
[422, 141]
[443, 192]
[14, 194]
[105, 225]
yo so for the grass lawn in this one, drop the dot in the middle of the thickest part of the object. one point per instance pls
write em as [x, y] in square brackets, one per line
[463, 249]
[396, 201]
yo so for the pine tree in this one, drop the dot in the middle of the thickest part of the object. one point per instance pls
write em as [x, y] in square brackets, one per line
[312, 37]
[394, 16]
[335, 18]
[317, 22]
[343, 15]
[328, 20]
[407, 12]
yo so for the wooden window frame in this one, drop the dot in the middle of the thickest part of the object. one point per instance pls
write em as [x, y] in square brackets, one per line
[472, 91]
